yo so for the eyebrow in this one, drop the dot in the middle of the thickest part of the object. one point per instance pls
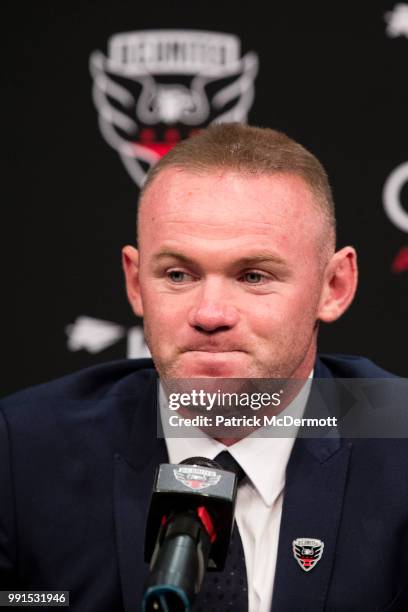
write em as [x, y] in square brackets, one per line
[171, 255]
[250, 260]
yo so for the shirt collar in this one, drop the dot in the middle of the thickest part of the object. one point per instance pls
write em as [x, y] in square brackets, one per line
[263, 458]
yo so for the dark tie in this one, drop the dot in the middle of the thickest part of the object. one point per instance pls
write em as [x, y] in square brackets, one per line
[226, 590]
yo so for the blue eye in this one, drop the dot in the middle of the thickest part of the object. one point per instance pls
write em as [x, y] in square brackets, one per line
[253, 278]
[177, 276]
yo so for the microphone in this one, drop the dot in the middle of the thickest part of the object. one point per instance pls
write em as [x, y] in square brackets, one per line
[188, 531]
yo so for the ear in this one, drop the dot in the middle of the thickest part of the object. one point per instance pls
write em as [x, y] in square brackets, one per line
[130, 262]
[339, 286]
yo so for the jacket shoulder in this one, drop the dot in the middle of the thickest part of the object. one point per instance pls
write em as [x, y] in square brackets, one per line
[349, 366]
[119, 377]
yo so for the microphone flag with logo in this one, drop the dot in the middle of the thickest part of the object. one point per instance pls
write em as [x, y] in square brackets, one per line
[188, 530]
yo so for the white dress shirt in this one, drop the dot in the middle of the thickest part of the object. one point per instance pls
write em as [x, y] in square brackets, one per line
[259, 499]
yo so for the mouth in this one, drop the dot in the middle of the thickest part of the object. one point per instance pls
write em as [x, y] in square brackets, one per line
[214, 355]
[213, 349]
[213, 362]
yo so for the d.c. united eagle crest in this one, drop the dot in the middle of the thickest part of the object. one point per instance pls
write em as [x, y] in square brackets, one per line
[156, 87]
[307, 552]
[194, 477]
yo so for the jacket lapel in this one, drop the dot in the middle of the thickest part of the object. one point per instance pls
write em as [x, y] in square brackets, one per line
[133, 482]
[312, 506]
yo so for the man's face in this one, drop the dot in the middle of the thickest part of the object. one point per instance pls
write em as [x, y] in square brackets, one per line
[229, 275]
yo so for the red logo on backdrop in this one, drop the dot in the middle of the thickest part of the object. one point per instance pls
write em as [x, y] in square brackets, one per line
[156, 87]
[400, 262]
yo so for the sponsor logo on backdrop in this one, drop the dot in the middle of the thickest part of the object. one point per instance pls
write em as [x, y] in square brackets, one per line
[397, 212]
[96, 335]
[392, 196]
[156, 87]
[397, 20]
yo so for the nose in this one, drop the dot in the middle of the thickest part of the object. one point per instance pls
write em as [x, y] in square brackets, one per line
[213, 310]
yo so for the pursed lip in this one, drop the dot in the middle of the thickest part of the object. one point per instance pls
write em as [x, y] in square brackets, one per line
[212, 349]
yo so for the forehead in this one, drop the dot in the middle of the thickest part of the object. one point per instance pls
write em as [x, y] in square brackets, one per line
[227, 204]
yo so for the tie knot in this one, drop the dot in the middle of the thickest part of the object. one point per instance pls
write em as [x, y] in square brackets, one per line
[227, 462]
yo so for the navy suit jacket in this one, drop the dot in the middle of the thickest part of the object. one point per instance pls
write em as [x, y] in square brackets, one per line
[77, 461]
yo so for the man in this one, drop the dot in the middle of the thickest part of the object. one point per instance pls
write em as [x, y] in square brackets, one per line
[234, 271]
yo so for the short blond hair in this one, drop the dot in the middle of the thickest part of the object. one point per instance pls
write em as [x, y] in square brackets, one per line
[253, 151]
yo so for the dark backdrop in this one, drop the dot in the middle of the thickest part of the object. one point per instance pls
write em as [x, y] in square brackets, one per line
[331, 75]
